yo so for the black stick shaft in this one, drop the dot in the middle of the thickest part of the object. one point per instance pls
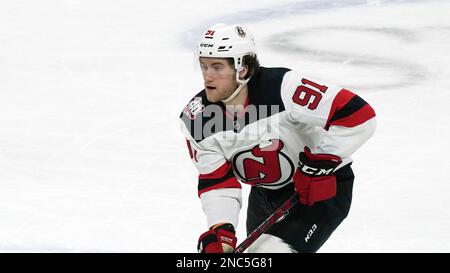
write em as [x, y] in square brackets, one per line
[268, 223]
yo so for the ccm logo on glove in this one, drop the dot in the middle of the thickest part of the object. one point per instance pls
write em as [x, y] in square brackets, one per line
[220, 238]
[314, 179]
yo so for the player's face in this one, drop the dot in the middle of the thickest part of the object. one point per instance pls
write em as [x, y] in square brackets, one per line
[219, 78]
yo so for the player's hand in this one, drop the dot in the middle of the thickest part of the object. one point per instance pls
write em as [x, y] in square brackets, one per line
[218, 239]
[314, 179]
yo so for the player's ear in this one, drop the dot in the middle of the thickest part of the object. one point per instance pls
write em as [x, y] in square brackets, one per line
[244, 71]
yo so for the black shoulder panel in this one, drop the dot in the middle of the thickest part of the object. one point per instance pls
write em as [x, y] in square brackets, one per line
[265, 88]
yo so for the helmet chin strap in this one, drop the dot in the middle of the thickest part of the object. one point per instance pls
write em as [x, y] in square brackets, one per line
[242, 83]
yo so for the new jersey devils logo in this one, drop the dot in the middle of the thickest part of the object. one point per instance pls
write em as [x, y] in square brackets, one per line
[267, 165]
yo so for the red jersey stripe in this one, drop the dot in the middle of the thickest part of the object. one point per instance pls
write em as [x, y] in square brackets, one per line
[229, 183]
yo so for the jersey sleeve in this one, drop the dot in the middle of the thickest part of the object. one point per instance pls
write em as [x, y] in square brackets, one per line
[218, 188]
[349, 120]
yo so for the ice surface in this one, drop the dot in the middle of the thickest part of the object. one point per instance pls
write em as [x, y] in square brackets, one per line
[91, 157]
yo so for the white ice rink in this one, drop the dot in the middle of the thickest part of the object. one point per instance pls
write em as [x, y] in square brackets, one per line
[91, 156]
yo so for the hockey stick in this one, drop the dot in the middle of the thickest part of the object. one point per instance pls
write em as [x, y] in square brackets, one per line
[276, 216]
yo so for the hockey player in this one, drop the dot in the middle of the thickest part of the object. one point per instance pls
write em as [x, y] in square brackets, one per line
[280, 132]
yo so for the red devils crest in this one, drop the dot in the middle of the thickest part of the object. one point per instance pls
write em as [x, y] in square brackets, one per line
[267, 165]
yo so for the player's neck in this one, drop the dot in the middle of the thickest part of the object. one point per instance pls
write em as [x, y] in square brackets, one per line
[240, 99]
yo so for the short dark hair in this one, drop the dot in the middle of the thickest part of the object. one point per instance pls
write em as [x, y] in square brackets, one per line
[249, 60]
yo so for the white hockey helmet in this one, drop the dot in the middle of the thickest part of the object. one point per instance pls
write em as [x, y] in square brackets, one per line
[227, 41]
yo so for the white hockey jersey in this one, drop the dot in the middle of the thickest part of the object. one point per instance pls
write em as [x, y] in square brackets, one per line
[260, 146]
